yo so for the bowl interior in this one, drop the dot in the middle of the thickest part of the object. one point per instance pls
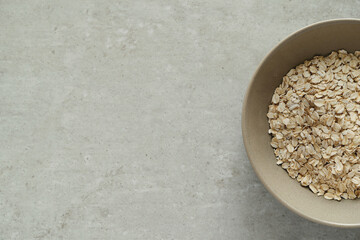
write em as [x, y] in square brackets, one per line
[317, 39]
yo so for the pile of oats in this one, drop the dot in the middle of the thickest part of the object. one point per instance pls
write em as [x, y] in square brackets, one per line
[315, 124]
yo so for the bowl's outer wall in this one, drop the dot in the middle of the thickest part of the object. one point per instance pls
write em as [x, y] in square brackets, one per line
[318, 39]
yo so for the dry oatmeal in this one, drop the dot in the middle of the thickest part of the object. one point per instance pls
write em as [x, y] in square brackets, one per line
[315, 124]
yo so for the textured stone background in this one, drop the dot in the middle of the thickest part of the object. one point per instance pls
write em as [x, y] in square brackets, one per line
[122, 119]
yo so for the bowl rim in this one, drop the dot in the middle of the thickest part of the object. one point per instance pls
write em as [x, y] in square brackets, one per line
[245, 131]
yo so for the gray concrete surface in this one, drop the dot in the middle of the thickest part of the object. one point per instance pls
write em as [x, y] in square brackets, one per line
[122, 119]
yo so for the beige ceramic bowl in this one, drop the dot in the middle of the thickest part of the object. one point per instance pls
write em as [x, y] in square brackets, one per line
[317, 39]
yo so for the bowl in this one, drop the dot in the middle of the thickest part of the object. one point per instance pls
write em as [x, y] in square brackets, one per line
[317, 39]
